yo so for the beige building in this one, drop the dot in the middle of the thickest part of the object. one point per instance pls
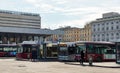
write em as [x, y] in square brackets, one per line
[85, 33]
[88, 33]
[71, 34]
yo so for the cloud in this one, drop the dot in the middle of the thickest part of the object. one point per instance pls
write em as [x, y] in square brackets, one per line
[84, 10]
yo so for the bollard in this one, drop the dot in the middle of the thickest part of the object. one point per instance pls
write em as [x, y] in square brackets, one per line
[90, 61]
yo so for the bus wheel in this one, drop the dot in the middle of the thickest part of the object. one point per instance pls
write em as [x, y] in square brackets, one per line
[99, 59]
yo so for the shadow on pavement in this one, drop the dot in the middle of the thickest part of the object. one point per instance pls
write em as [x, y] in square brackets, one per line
[70, 63]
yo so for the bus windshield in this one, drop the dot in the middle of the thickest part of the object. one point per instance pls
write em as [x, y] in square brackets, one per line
[63, 51]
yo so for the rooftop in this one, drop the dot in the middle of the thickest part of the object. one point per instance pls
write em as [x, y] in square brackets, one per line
[18, 13]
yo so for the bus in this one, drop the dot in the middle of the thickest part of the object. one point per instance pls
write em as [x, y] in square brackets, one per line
[52, 50]
[24, 50]
[8, 50]
[99, 51]
[66, 51]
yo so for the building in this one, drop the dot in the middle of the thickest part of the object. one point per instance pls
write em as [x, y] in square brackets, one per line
[19, 19]
[106, 28]
[87, 32]
[56, 37]
[16, 27]
[71, 34]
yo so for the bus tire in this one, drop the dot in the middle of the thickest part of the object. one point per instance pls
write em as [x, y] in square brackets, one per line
[99, 59]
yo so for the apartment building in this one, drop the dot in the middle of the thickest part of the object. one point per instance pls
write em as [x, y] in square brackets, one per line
[106, 28]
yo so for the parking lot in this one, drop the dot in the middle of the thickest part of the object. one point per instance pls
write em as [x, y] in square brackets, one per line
[13, 66]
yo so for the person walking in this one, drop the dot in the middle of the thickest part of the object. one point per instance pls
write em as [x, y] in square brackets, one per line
[34, 54]
[82, 57]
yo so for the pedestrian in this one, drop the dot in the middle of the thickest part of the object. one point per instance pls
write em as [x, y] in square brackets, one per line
[82, 57]
[34, 54]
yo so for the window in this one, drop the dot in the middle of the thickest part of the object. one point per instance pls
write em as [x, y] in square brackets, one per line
[107, 28]
[112, 28]
[117, 27]
[98, 39]
[117, 34]
[103, 24]
[117, 22]
[112, 34]
[107, 23]
[98, 29]
[111, 22]
[102, 35]
[98, 24]
[98, 35]
[103, 28]
[107, 39]
[103, 39]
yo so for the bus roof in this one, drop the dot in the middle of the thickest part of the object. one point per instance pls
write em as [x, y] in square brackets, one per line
[51, 44]
[95, 42]
[8, 44]
[29, 43]
[68, 43]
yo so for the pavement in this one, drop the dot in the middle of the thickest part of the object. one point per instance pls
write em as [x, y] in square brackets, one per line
[14, 66]
[97, 64]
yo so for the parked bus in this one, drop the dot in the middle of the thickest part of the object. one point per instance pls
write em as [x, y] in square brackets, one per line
[66, 51]
[52, 50]
[8, 50]
[25, 50]
[99, 51]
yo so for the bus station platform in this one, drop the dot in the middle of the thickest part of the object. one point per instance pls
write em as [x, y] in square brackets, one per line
[97, 64]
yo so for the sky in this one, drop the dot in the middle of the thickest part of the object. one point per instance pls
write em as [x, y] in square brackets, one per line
[62, 13]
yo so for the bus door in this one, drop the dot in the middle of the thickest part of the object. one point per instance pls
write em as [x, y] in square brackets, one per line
[72, 53]
[80, 47]
[26, 51]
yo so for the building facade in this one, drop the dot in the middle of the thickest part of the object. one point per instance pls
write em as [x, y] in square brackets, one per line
[71, 34]
[106, 28]
[16, 27]
[19, 19]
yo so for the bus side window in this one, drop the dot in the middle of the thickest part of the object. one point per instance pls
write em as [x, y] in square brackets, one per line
[1, 49]
[20, 50]
[90, 49]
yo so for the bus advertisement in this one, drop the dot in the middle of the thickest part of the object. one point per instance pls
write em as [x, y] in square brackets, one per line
[8, 50]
